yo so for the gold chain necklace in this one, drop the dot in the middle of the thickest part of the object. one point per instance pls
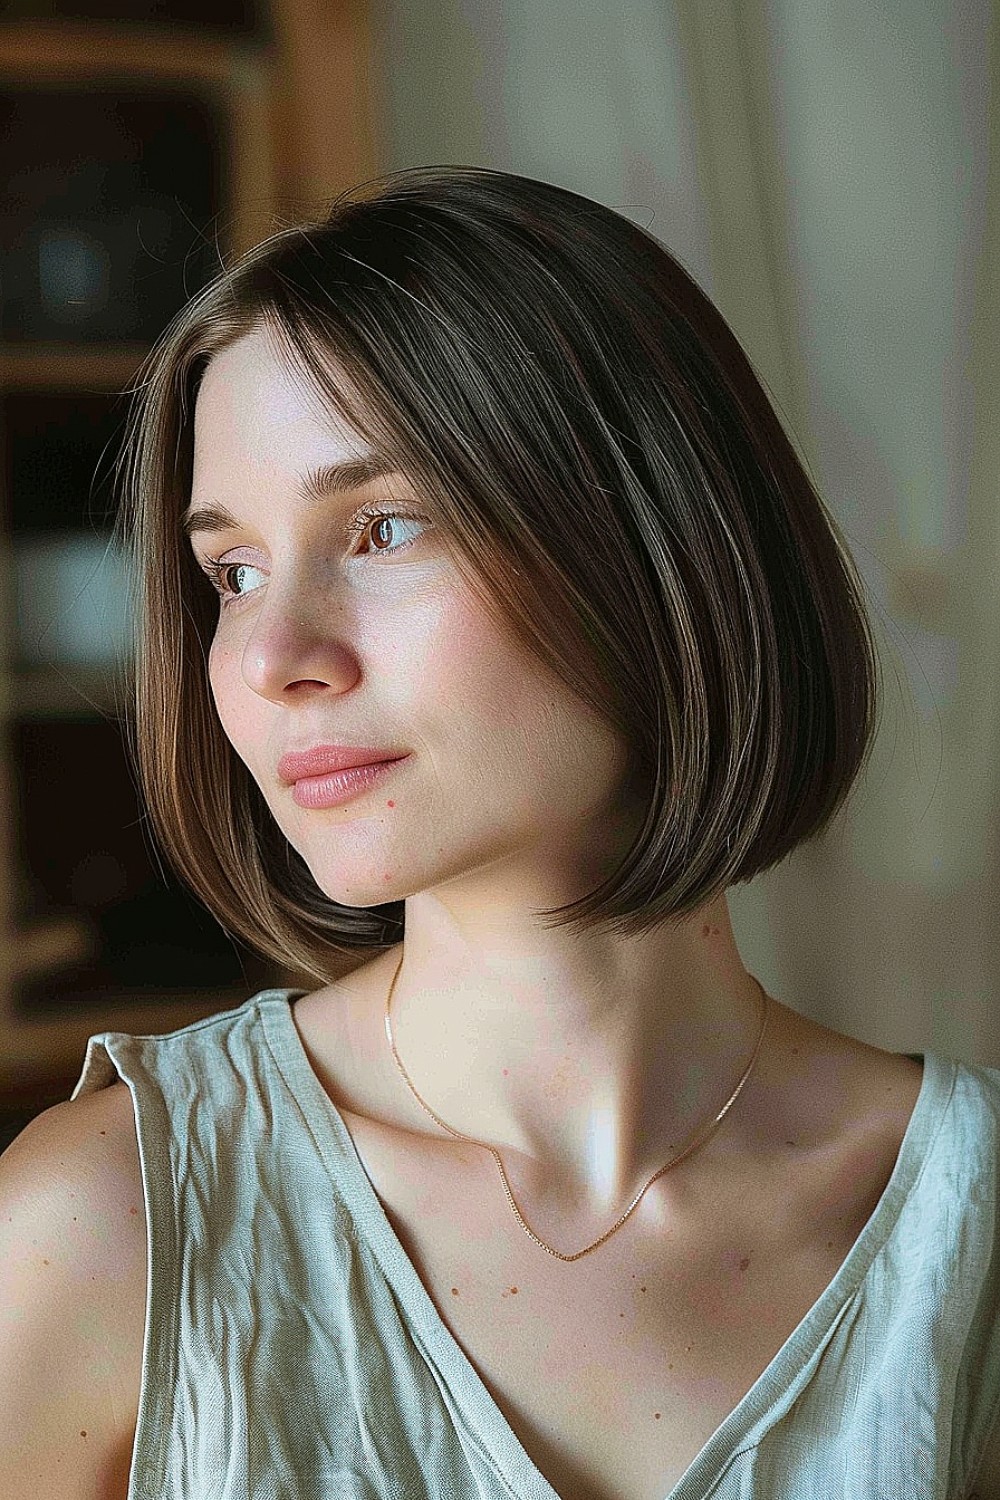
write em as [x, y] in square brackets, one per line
[698, 1140]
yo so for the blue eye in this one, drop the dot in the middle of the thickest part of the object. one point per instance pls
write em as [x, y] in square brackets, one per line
[368, 518]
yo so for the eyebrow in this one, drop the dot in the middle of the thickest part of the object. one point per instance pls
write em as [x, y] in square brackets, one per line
[316, 485]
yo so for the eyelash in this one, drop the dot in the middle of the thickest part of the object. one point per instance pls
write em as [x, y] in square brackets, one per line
[359, 523]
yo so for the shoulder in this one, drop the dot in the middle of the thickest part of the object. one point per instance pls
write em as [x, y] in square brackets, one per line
[74, 1237]
[82, 1151]
[72, 1277]
[75, 1173]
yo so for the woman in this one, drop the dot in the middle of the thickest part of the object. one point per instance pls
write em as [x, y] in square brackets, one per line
[537, 1193]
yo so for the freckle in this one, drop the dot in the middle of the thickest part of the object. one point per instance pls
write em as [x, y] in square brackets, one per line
[133, 1210]
[829, 1244]
[642, 1289]
[621, 1315]
[795, 1051]
[454, 1291]
[688, 1348]
[514, 1290]
[656, 1414]
[44, 1261]
[83, 1432]
[744, 1262]
[102, 1132]
[670, 1366]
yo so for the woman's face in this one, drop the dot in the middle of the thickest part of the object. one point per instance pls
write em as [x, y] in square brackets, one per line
[332, 638]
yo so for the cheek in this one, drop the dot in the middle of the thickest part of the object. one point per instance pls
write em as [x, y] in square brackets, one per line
[224, 682]
[525, 732]
[219, 663]
[460, 660]
[517, 717]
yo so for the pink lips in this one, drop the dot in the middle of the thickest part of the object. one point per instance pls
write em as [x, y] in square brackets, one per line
[321, 759]
[342, 786]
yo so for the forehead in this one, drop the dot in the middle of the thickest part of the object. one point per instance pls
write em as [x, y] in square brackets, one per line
[255, 406]
[253, 378]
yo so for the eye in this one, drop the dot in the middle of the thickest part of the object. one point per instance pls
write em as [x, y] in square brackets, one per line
[370, 517]
[217, 571]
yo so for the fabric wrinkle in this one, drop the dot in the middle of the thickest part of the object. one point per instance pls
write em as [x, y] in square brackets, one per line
[291, 1349]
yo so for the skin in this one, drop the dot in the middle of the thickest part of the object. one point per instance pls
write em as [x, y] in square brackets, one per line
[587, 1061]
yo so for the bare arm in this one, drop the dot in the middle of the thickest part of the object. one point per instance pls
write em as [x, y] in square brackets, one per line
[72, 1284]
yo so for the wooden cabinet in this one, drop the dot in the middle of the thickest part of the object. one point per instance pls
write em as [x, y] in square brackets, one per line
[133, 155]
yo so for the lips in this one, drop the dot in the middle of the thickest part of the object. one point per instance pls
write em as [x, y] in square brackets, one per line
[296, 764]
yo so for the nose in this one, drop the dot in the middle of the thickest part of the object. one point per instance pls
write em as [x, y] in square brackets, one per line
[292, 648]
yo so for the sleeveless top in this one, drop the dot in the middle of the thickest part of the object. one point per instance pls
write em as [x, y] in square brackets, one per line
[291, 1351]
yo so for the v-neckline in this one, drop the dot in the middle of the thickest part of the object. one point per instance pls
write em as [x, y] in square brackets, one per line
[771, 1394]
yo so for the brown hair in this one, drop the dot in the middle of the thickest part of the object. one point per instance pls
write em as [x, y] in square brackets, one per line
[528, 356]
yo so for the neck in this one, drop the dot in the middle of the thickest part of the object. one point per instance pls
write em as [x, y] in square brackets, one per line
[586, 1068]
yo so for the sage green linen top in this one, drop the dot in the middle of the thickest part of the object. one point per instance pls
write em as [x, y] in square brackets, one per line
[291, 1351]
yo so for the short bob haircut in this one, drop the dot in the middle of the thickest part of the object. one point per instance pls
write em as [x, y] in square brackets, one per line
[599, 452]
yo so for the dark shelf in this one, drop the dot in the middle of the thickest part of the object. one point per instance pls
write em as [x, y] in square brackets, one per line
[245, 18]
[119, 128]
[59, 450]
[85, 847]
[110, 210]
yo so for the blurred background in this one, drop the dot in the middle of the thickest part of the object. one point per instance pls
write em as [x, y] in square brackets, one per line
[828, 173]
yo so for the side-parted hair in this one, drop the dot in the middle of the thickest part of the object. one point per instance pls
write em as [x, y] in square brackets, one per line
[592, 441]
